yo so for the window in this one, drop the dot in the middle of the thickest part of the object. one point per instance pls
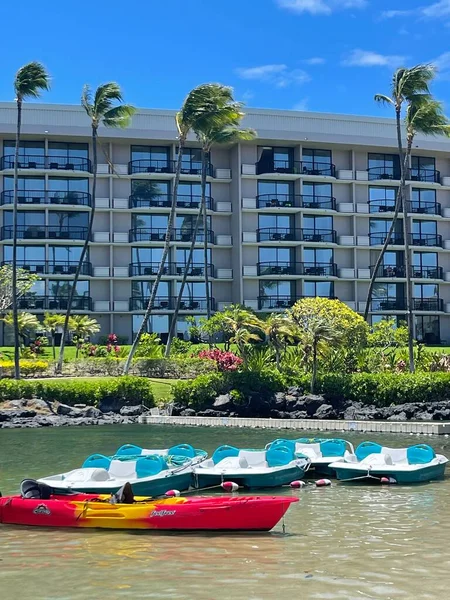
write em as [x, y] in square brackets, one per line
[423, 168]
[378, 318]
[278, 255]
[316, 223]
[383, 166]
[149, 189]
[193, 289]
[61, 289]
[25, 183]
[26, 255]
[317, 162]
[425, 290]
[156, 324]
[156, 157]
[277, 288]
[27, 150]
[275, 193]
[25, 219]
[190, 194]
[275, 160]
[315, 191]
[65, 254]
[74, 184]
[393, 265]
[382, 199]
[378, 228]
[182, 255]
[146, 255]
[72, 220]
[187, 222]
[388, 296]
[146, 221]
[428, 329]
[318, 256]
[424, 233]
[68, 150]
[324, 289]
[184, 325]
[425, 264]
[191, 163]
[423, 201]
[275, 221]
[142, 289]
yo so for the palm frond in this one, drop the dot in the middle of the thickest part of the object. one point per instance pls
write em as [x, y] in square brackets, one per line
[105, 106]
[228, 135]
[105, 96]
[407, 83]
[426, 115]
[87, 100]
[382, 99]
[31, 80]
[119, 116]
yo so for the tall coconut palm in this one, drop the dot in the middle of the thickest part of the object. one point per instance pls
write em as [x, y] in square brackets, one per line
[105, 107]
[30, 81]
[408, 86]
[217, 124]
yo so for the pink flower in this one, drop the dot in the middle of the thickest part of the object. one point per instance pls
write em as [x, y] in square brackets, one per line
[226, 361]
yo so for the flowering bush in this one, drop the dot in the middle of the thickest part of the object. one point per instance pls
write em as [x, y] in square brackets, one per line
[37, 347]
[225, 361]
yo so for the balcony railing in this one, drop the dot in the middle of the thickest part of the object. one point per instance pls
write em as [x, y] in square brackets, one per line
[274, 302]
[427, 175]
[423, 207]
[395, 304]
[295, 200]
[427, 272]
[143, 269]
[147, 165]
[383, 173]
[295, 167]
[286, 234]
[426, 239]
[54, 303]
[72, 198]
[300, 268]
[165, 201]
[43, 232]
[49, 267]
[382, 205]
[146, 234]
[377, 239]
[41, 161]
[139, 303]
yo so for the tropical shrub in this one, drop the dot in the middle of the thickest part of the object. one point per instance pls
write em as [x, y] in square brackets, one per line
[27, 367]
[225, 361]
[149, 346]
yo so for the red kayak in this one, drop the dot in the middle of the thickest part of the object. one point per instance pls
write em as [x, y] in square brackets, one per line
[210, 513]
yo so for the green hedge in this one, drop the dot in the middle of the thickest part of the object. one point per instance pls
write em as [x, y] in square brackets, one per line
[121, 390]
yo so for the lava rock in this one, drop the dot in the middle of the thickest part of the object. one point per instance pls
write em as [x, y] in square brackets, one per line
[128, 411]
[299, 414]
[223, 402]
[401, 416]
[325, 411]
[187, 412]
[312, 403]
[294, 391]
[10, 414]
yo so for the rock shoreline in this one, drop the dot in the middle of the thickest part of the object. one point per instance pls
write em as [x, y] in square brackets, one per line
[39, 413]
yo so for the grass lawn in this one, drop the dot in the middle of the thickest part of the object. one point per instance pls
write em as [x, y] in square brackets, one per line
[69, 352]
[162, 388]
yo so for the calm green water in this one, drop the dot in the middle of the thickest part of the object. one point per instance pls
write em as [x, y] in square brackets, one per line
[343, 542]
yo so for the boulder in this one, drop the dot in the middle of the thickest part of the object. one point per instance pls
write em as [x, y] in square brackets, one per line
[67, 411]
[223, 402]
[299, 414]
[325, 411]
[279, 414]
[442, 414]
[425, 416]
[290, 398]
[130, 411]
[187, 412]
[294, 391]
[312, 403]
[401, 416]
[209, 412]
[9, 414]
[279, 401]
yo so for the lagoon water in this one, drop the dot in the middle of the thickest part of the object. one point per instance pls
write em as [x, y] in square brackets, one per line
[345, 542]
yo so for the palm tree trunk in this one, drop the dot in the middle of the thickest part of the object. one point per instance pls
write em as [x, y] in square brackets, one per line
[82, 255]
[14, 248]
[314, 369]
[277, 357]
[408, 268]
[165, 253]
[53, 345]
[205, 240]
[173, 324]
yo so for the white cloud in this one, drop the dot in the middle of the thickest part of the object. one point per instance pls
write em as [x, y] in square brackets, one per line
[301, 104]
[315, 60]
[437, 9]
[320, 7]
[392, 14]
[367, 58]
[279, 75]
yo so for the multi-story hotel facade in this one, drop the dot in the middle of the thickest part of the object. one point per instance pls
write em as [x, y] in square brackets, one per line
[302, 210]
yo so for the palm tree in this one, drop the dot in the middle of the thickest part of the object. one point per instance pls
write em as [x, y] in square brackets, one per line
[104, 107]
[409, 86]
[30, 81]
[218, 122]
[26, 323]
[245, 327]
[82, 326]
[51, 324]
[278, 330]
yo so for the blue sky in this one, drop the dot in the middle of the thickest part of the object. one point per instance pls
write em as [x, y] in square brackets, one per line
[318, 55]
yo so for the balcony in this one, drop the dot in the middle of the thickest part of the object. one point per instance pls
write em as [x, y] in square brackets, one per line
[144, 269]
[295, 200]
[146, 234]
[54, 303]
[426, 239]
[301, 268]
[391, 271]
[276, 302]
[423, 207]
[286, 234]
[145, 165]
[377, 239]
[43, 162]
[381, 205]
[375, 173]
[295, 168]
[48, 267]
[399, 304]
[165, 201]
[43, 232]
[426, 175]
[33, 197]
[139, 303]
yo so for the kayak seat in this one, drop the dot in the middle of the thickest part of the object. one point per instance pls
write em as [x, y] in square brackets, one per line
[96, 461]
[420, 454]
[279, 456]
[332, 448]
[182, 450]
[281, 442]
[366, 448]
[129, 450]
[146, 466]
[224, 452]
[30, 488]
